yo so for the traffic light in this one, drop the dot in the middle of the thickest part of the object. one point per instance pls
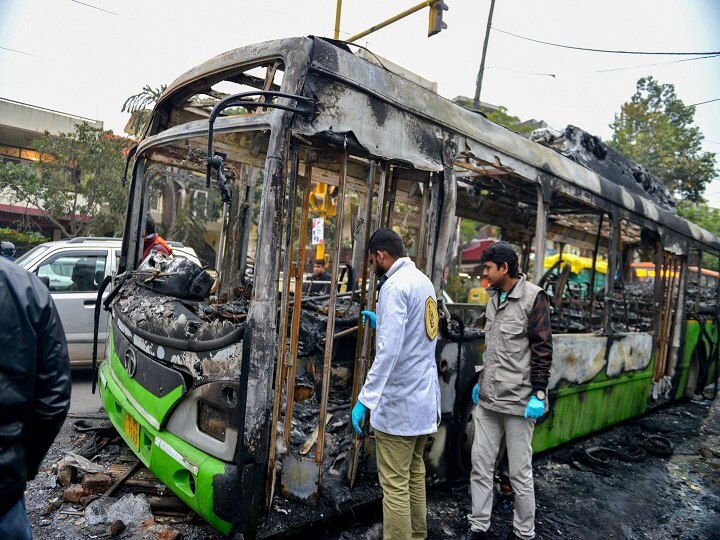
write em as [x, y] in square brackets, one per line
[332, 198]
[318, 197]
[435, 22]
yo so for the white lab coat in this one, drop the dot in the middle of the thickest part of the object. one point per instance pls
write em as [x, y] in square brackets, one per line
[401, 389]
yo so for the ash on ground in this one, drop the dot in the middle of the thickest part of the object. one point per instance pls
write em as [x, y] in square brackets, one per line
[676, 496]
[657, 498]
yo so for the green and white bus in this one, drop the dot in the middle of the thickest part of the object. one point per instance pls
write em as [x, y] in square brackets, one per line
[233, 385]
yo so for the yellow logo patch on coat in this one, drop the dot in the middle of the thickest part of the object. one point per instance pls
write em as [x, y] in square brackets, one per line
[431, 317]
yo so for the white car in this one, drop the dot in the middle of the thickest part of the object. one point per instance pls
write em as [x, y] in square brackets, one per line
[73, 270]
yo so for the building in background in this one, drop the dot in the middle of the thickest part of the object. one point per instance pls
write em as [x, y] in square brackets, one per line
[20, 125]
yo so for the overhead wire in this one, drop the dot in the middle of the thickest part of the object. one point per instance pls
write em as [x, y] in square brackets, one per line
[703, 102]
[555, 75]
[21, 52]
[610, 51]
[658, 63]
[96, 7]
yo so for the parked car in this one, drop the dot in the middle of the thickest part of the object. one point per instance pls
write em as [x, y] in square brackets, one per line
[73, 270]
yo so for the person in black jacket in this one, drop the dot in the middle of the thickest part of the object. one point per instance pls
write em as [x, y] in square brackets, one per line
[320, 279]
[34, 388]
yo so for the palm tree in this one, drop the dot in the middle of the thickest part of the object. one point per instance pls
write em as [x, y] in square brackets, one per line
[140, 108]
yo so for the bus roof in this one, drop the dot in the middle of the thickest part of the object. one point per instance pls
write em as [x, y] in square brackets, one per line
[397, 126]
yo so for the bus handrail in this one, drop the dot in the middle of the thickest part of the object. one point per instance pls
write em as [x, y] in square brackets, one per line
[304, 105]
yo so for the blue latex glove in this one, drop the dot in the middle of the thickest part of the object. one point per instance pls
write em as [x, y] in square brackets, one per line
[357, 414]
[368, 315]
[475, 394]
[535, 408]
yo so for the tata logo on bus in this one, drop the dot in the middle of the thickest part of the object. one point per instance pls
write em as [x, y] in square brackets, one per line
[130, 362]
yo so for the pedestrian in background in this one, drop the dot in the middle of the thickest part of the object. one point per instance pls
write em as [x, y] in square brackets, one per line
[34, 389]
[153, 241]
[320, 279]
[7, 250]
[401, 390]
[511, 389]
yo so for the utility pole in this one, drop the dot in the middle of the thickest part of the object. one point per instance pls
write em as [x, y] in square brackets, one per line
[478, 84]
[338, 10]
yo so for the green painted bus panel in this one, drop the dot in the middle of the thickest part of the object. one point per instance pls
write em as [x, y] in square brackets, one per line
[157, 407]
[184, 469]
[581, 409]
[692, 334]
[714, 336]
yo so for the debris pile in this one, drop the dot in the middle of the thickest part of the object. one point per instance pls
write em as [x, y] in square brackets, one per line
[589, 150]
[701, 300]
[166, 316]
[174, 276]
[98, 489]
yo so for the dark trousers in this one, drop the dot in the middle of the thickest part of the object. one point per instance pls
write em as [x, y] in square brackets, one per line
[14, 523]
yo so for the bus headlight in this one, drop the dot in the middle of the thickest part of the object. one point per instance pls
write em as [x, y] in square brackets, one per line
[212, 420]
[208, 418]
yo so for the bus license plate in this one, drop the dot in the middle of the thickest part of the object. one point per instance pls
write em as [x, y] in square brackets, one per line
[132, 428]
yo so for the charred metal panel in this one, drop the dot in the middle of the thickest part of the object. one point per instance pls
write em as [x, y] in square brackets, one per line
[447, 374]
[577, 358]
[184, 419]
[389, 133]
[446, 226]
[630, 352]
[204, 367]
[293, 52]
[484, 139]
[673, 242]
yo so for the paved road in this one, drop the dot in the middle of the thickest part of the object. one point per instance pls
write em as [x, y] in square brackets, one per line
[83, 401]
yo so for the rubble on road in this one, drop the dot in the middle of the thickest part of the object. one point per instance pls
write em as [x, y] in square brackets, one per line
[107, 496]
[659, 498]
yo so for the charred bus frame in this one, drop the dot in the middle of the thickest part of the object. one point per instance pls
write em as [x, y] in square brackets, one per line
[204, 390]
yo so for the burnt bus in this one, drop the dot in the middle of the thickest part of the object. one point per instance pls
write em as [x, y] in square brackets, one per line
[234, 385]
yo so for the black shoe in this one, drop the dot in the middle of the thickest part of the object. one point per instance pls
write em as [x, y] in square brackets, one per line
[476, 535]
[512, 536]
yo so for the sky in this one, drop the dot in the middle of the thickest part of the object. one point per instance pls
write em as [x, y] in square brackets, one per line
[85, 58]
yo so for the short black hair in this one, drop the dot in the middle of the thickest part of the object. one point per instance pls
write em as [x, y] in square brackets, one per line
[321, 262]
[387, 240]
[149, 225]
[499, 253]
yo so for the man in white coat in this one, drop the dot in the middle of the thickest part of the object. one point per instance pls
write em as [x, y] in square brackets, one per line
[401, 390]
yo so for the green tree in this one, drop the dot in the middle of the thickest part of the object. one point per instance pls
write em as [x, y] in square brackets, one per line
[500, 116]
[701, 215]
[140, 108]
[706, 217]
[468, 231]
[76, 182]
[21, 238]
[655, 128]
